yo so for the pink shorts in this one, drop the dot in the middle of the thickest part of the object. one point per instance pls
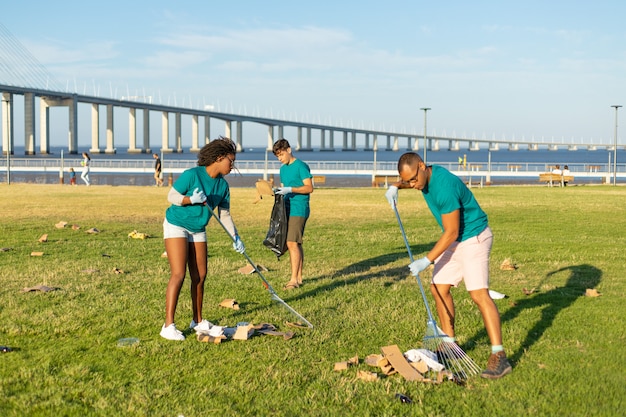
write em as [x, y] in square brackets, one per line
[466, 261]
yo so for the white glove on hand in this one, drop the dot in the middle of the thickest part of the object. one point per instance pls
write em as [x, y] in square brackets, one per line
[283, 190]
[392, 195]
[418, 266]
[238, 245]
[197, 197]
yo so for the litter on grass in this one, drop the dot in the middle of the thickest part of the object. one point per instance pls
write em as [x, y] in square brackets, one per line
[137, 235]
[60, 225]
[43, 238]
[243, 331]
[414, 365]
[36, 254]
[230, 303]
[42, 288]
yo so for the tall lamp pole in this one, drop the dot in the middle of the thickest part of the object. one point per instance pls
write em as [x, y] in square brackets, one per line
[425, 109]
[616, 106]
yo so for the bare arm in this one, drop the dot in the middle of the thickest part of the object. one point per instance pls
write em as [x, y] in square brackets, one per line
[451, 225]
[306, 188]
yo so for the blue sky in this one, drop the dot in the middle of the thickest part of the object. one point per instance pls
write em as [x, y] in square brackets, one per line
[498, 69]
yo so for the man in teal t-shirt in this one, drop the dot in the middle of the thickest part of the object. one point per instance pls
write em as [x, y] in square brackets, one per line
[461, 253]
[297, 185]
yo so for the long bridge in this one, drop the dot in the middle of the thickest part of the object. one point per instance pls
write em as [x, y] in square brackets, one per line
[192, 136]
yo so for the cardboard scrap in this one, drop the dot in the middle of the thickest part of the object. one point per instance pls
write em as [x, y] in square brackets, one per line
[42, 288]
[164, 254]
[75, 227]
[367, 376]
[270, 329]
[137, 235]
[230, 303]
[93, 230]
[43, 238]
[263, 187]
[507, 265]
[206, 338]
[397, 360]
[249, 269]
[243, 332]
[36, 254]
[60, 225]
[342, 366]
[372, 360]
[592, 292]
[5, 249]
[385, 366]
[118, 271]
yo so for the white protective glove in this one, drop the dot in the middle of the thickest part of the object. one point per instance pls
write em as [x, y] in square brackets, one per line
[418, 266]
[283, 190]
[238, 245]
[392, 195]
[197, 197]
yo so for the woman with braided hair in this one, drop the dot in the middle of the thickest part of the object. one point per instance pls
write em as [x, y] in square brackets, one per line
[194, 193]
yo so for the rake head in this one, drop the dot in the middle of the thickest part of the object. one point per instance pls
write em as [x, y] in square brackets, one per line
[449, 354]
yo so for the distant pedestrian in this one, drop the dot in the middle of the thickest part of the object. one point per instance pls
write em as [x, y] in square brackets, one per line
[85, 164]
[158, 178]
[72, 176]
[297, 182]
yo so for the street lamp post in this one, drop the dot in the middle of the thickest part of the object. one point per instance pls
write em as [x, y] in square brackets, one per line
[616, 107]
[425, 109]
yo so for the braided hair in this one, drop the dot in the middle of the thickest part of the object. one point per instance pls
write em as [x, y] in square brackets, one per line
[216, 149]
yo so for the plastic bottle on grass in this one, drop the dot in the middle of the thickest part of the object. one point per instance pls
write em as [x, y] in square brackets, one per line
[127, 341]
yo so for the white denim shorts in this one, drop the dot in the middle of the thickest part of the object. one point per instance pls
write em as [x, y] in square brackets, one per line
[172, 231]
[466, 261]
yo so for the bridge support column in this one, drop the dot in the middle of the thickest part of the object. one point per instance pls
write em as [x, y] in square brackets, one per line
[7, 124]
[165, 132]
[195, 134]
[299, 139]
[132, 131]
[44, 126]
[308, 140]
[177, 132]
[95, 129]
[110, 149]
[435, 145]
[395, 146]
[353, 140]
[239, 135]
[146, 130]
[207, 130]
[29, 124]
[228, 131]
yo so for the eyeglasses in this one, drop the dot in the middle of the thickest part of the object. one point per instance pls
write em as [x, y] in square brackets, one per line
[232, 165]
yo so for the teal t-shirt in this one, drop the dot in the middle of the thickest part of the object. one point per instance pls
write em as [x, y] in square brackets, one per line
[293, 175]
[445, 193]
[195, 217]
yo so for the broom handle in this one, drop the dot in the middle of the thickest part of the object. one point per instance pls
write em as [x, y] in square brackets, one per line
[265, 282]
[408, 248]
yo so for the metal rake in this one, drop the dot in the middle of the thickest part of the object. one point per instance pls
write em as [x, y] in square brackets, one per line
[448, 352]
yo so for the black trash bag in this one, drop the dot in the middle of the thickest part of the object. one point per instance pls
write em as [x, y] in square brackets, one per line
[276, 239]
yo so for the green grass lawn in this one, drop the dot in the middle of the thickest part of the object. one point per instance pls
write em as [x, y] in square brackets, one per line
[567, 349]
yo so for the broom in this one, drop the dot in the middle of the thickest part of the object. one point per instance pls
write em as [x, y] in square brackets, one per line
[448, 352]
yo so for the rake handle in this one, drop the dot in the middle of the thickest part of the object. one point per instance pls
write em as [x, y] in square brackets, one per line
[266, 284]
[408, 248]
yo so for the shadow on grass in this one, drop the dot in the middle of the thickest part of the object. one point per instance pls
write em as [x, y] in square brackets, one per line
[361, 271]
[581, 277]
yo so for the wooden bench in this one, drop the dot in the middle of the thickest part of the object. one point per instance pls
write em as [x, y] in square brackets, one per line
[552, 179]
[384, 180]
[318, 180]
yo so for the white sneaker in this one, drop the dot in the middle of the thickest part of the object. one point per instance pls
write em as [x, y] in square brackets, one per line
[203, 327]
[171, 333]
